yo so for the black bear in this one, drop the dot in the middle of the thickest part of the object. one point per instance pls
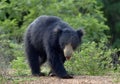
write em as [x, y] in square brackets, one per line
[48, 38]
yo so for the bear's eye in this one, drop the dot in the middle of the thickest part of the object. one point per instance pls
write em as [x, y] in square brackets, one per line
[74, 45]
[62, 44]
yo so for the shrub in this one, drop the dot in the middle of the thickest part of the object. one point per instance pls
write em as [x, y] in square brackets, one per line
[20, 66]
[91, 59]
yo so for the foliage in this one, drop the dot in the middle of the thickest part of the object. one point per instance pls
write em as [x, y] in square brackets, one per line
[112, 13]
[16, 15]
[4, 61]
[15, 18]
[3, 57]
[92, 59]
[20, 66]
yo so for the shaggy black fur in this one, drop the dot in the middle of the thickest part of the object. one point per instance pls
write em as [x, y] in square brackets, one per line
[45, 40]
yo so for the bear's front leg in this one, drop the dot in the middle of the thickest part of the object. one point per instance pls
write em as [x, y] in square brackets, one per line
[61, 55]
[56, 64]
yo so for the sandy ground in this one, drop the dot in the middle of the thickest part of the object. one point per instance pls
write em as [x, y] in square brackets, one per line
[75, 80]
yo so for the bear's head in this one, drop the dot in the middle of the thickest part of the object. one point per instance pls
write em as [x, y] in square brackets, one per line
[69, 40]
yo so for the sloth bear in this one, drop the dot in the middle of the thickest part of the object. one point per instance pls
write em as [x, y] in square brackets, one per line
[48, 38]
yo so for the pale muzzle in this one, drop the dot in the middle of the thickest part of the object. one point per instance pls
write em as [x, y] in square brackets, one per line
[68, 51]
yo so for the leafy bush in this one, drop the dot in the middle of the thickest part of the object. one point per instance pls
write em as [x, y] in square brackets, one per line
[16, 15]
[20, 66]
[4, 61]
[111, 12]
[92, 59]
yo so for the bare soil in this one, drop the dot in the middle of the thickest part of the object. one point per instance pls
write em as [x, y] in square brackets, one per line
[75, 80]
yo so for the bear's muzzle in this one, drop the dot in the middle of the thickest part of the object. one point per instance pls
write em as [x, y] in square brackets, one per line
[68, 51]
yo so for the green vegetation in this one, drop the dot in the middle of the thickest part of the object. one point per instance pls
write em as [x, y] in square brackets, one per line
[91, 60]
[112, 13]
[93, 57]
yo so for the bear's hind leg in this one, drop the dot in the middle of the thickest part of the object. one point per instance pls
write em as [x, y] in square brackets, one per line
[33, 61]
[33, 58]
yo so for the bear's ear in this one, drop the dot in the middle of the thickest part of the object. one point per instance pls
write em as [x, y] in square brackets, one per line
[80, 32]
[57, 30]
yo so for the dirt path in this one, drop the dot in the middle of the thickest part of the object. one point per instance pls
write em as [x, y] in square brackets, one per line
[76, 80]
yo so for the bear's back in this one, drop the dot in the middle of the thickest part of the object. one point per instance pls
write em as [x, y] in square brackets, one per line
[47, 20]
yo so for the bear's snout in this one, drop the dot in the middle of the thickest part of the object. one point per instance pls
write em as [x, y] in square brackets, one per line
[68, 51]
